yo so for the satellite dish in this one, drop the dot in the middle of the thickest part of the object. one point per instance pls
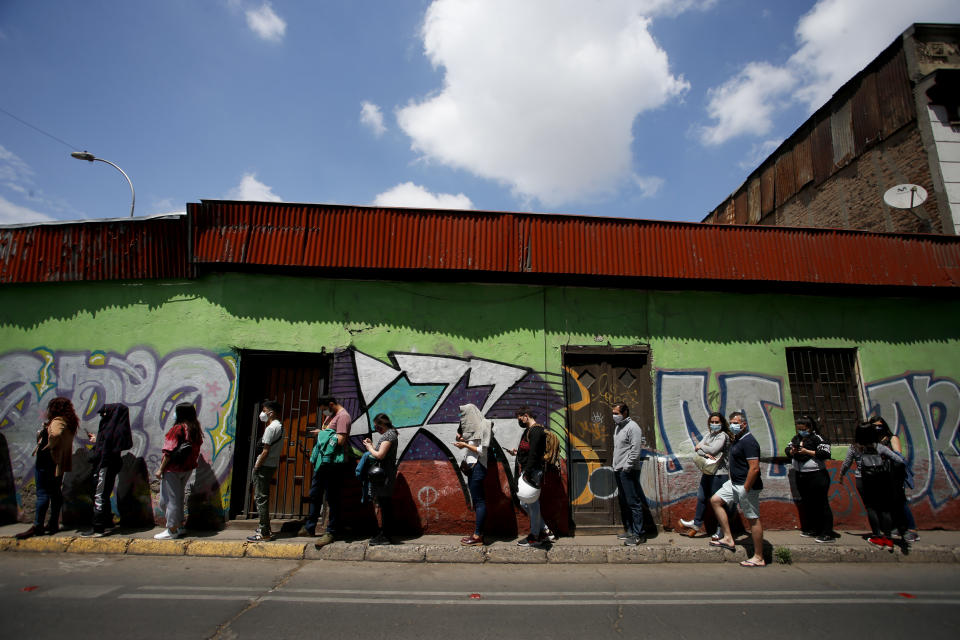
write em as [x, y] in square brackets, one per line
[905, 196]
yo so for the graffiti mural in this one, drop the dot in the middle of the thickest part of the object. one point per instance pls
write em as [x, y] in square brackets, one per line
[682, 408]
[925, 412]
[150, 385]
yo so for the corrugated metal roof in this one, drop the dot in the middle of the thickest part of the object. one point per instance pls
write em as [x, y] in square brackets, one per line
[117, 249]
[358, 238]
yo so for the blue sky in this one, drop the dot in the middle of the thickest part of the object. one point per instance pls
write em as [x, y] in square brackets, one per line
[629, 108]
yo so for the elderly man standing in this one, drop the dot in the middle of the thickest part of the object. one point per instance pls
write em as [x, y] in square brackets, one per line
[742, 488]
[627, 460]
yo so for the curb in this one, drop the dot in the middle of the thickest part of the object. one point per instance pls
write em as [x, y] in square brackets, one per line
[440, 554]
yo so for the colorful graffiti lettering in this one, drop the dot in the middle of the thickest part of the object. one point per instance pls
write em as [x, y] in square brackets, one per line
[925, 411]
[682, 408]
[149, 385]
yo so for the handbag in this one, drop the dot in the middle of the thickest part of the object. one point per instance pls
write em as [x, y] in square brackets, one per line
[181, 453]
[707, 466]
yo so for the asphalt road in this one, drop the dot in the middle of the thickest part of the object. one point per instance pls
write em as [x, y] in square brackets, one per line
[75, 596]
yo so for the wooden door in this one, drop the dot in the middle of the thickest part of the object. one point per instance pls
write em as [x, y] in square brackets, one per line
[595, 382]
[296, 381]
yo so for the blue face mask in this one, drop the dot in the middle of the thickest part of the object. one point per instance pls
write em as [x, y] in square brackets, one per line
[803, 433]
[715, 427]
[736, 428]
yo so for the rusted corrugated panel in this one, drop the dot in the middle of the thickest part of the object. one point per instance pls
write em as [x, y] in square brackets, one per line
[753, 201]
[895, 94]
[96, 250]
[841, 135]
[741, 213]
[785, 177]
[866, 114]
[767, 187]
[802, 162]
[821, 150]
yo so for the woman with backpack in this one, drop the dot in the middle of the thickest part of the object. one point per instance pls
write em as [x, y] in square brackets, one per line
[382, 475]
[181, 450]
[875, 463]
[711, 459]
[474, 435]
[888, 439]
[54, 453]
[809, 451]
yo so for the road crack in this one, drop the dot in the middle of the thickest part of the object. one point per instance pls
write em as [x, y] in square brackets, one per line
[224, 632]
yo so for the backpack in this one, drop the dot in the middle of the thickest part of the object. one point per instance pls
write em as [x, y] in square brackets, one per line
[181, 453]
[551, 451]
[326, 450]
[873, 465]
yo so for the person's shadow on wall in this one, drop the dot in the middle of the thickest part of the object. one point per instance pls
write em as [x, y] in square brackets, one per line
[8, 486]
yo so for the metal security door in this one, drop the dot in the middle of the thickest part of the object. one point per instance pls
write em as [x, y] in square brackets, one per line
[595, 381]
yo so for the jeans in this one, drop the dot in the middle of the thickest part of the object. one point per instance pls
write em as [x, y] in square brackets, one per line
[477, 475]
[49, 495]
[173, 484]
[630, 496]
[709, 485]
[814, 489]
[536, 519]
[102, 511]
[326, 480]
[261, 496]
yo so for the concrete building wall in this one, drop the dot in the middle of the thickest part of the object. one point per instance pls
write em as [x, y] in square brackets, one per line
[414, 346]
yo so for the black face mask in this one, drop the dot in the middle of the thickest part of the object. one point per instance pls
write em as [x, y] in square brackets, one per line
[522, 424]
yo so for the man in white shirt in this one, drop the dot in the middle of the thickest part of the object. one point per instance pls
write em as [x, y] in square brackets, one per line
[266, 466]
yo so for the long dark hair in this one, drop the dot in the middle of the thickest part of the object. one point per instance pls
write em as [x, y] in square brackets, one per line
[62, 408]
[384, 420]
[187, 414]
[881, 426]
[724, 425]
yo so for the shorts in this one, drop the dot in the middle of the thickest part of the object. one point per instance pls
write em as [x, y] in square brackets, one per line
[749, 501]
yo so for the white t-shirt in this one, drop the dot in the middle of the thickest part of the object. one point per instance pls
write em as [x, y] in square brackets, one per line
[480, 456]
[273, 436]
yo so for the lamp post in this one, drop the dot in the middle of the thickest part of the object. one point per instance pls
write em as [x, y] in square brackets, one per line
[89, 157]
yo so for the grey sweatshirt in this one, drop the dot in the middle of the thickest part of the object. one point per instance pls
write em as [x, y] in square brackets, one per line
[627, 446]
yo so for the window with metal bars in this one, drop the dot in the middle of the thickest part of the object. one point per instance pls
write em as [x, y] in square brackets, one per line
[825, 384]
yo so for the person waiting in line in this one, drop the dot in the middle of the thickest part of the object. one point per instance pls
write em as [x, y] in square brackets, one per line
[112, 438]
[712, 452]
[888, 439]
[628, 447]
[328, 476]
[383, 475]
[474, 436]
[809, 451]
[743, 489]
[181, 451]
[879, 480]
[530, 469]
[265, 467]
[54, 452]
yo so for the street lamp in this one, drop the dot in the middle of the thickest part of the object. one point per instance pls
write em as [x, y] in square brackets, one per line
[89, 157]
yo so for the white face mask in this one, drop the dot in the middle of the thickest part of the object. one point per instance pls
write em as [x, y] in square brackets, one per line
[618, 418]
[715, 427]
[735, 428]
[263, 416]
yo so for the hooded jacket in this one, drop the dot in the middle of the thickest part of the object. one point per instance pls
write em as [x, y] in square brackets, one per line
[113, 436]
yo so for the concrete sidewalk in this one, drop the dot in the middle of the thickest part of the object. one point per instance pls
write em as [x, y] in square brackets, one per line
[933, 546]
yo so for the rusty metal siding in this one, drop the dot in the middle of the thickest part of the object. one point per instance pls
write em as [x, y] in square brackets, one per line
[841, 135]
[96, 250]
[821, 150]
[767, 183]
[866, 115]
[753, 201]
[741, 213]
[802, 162]
[785, 178]
[895, 94]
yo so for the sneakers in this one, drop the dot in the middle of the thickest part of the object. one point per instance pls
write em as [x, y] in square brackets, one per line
[305, 533]
[688, 524]
[529, 541]
[824, 539]
[324, 540]
[911, 536]
[93, 534]
[881, 542]
[472, 541]
[807, 534]
[624, 535]
[547, 534]
[715, 535]
[166, 534]
[379, 540]
[260, 537]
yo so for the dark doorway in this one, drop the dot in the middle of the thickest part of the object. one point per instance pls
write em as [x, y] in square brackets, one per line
[596, 379]
[296, 381]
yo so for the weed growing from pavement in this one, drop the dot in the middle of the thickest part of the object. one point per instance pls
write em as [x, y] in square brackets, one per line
[783, 556]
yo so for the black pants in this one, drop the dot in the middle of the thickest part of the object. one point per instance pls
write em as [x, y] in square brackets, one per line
[884, 504]
[816, 515]
[386, 515]
[105, 479]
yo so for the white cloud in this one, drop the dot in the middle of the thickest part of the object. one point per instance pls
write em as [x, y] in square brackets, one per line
[745, 104]
[372, 118]
[408, 194]
[252, 189]
[264, 22]
[15, 214]
[540, 95]
[648, 185]
[835, 40]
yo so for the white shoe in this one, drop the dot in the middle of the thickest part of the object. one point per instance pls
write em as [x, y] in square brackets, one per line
[687, 523]
[166, 535]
